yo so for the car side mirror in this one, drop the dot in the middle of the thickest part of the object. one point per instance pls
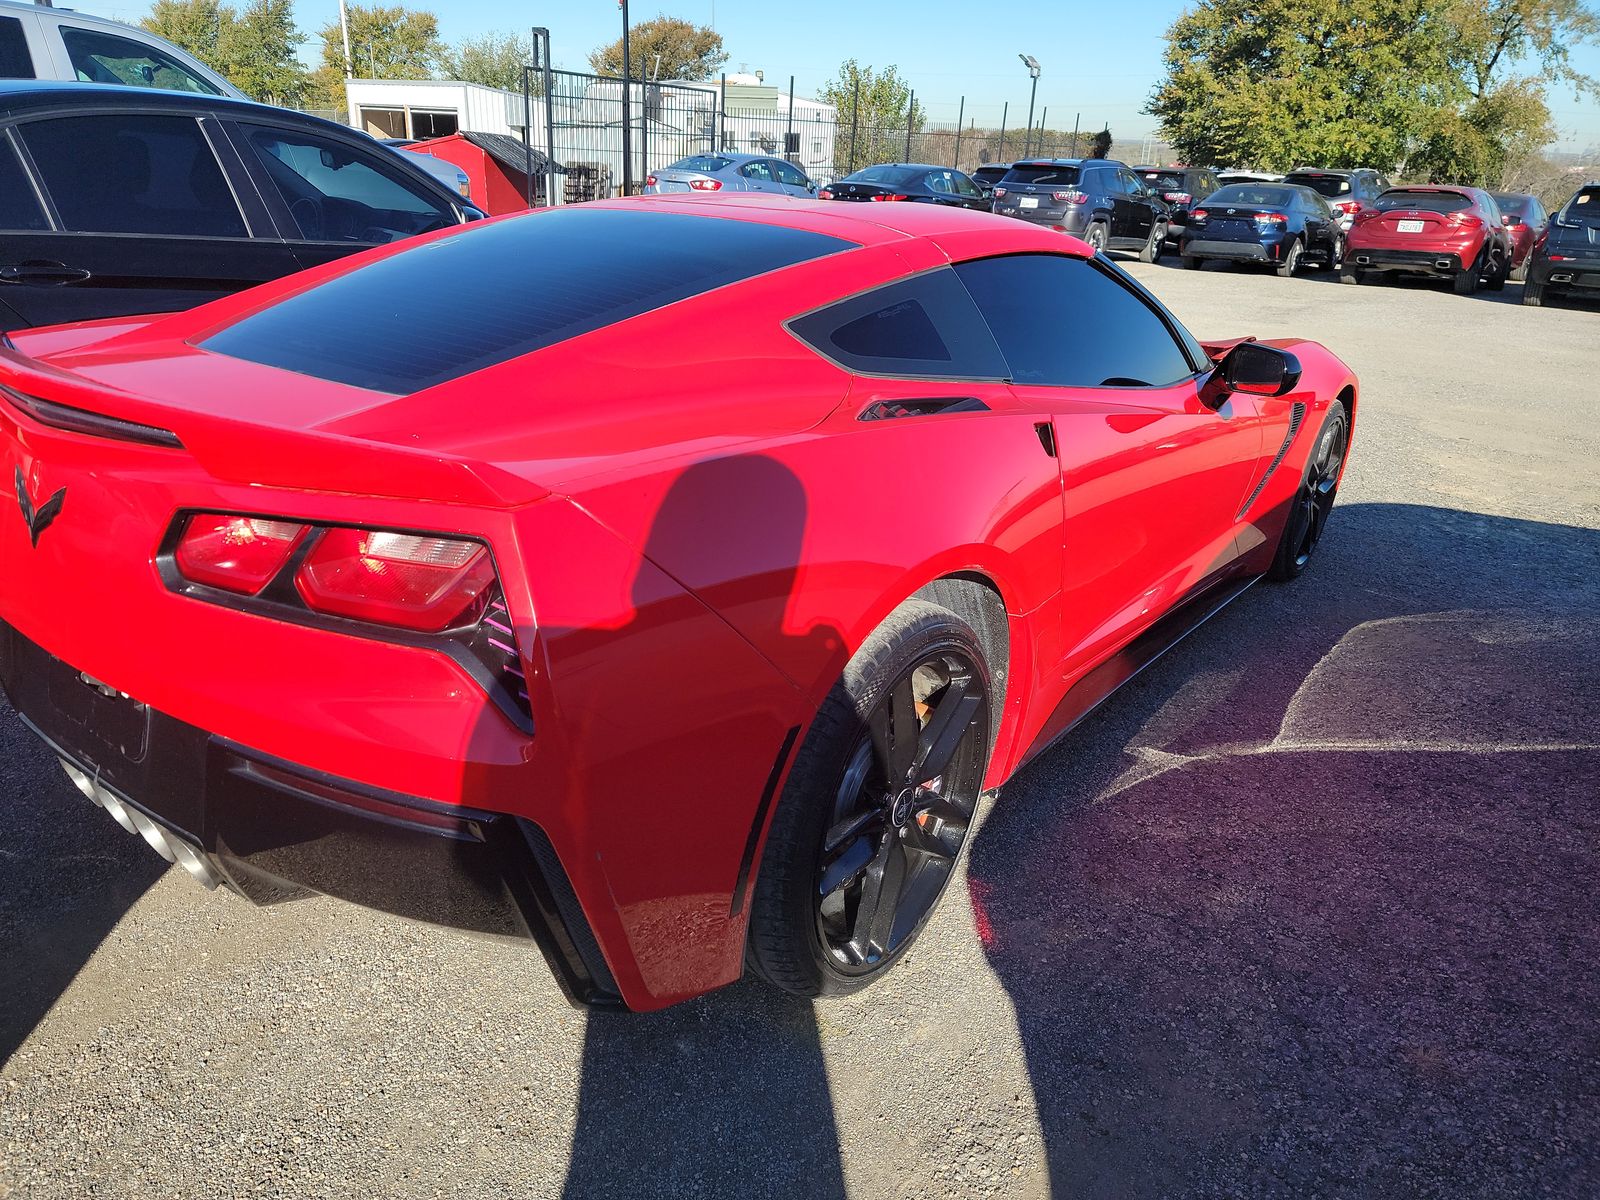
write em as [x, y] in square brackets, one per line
[1255, 370]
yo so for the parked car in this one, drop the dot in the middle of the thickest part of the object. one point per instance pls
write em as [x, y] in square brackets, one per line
[730, 172]
[1526, 225]
[1278, 224]
[1347, 191]
[519, 609]
[988, 175]
[38, 42]
[1453, 233]
[1182, 188]
[1225, 178]
[447, 173]
[1567, 257]
[138, 201]
[920, 183]
[1097, 199]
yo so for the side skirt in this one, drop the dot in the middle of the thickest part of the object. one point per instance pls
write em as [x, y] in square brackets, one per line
[1099, 684]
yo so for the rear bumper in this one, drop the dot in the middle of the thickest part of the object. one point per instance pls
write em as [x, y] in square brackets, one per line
[1072, 219]
[273, 830]
[1239, 251]
[1442, 263]
[1579, 276]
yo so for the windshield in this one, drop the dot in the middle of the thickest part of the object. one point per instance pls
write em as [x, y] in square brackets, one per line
[1253, 195]
[1435, 202]
[894, 175]
[1584, 208]
[1044, 173]
[1165, 181]
[1327, 185]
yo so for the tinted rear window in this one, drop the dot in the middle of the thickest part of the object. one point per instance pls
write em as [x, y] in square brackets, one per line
[19, 207]
[1585, 207]
[1512, 203]
[1253, 195]
[1026, 173]
[1436, 202]
[988, 174]
[491, 293]
[15, 62]
[1164, 181]
[706, 164]
[884, 175]
[1326, 185]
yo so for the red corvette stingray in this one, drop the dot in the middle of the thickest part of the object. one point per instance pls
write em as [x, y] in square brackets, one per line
[660, 579]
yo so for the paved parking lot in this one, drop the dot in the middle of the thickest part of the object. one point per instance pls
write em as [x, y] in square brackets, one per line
[1310, 909]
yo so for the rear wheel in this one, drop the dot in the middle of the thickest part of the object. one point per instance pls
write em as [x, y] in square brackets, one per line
[1291, 260]
[1533, 294]
[1466, 279]
[876, 809]
[1154, 243]
[1308, 511]
[1095, 235]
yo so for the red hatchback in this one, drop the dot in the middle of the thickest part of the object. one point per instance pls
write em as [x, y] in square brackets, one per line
[1454, 233]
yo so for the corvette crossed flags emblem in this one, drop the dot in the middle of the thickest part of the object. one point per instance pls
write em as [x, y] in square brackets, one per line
[38, 519]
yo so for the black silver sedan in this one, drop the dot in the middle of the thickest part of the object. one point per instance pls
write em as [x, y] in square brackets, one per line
[921, 183]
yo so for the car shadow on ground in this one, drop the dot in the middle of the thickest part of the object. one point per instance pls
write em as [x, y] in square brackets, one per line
[1309, 909]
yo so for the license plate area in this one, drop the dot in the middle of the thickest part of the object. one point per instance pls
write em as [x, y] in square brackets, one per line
[1029, 202]
[107, 725]
[1411, 226]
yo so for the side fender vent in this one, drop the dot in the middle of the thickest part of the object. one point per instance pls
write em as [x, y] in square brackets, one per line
[889, 410]
[1297, 414]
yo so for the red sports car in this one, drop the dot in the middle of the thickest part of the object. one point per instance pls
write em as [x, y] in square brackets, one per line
[1453, 233]
[661, 579]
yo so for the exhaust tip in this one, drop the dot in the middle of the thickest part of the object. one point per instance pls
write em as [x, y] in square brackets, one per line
[172, 848]
[1362, 260]
[1444, 264]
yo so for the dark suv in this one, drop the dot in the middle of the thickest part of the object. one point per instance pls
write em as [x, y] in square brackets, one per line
[1567, 257]
[1182, 188]
[116, 201]
[1347, 191]
[989, 174]
[1097, 199]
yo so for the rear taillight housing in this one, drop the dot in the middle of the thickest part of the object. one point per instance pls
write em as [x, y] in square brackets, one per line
[409, 581]
[706, 185]
[649, 181]
[1271, 218]
[1199, 216]
[824, 194]
[891, 196]
[1352, 207]
[1070, 196]
[999, 192]
[235, 554]
[1177, 197]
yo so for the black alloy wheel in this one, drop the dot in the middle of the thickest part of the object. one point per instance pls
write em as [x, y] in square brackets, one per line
[1308, 512]
[1095, 235]
[877, 807]
[1291, 260]
[1154, 243]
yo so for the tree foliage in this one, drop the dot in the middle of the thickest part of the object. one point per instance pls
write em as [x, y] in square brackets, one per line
[685, 50]
[1423, 87]
[494, 60]
[385, 43]
[873, 110]
[195, 25]
[253, 48]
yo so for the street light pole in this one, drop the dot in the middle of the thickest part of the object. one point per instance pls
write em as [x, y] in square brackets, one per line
[1033, 73]
[627, 140]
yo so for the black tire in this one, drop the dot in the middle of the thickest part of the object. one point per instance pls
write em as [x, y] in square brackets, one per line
[1520, 273]
[1313, 499]
[1097, 237]
[1498, 274]
[840, 785]
[1465, 281]
[1291, 260]
[1533, 294]
[1154, 243]
[1193, 262]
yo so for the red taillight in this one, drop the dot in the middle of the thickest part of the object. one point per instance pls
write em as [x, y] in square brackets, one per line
[706, 185]
[1177, 197]
[892, 196]
[824, 194]
[1367, 215]
[998, 192]
[1272, 219]
[1199, 216]
[1352, 207]
[401, 579]
[235, 554]
[649, 181]
[1070, 196]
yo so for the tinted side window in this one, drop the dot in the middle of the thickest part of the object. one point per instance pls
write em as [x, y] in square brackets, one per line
[133, 173]
[1113, 338]
[19, 207]
[337, 194]
[15, 62]
[789, 175]
[924, 326]
[105, 58]
[756, 170]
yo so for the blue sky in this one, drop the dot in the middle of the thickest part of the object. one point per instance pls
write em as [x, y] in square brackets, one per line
[945, 49]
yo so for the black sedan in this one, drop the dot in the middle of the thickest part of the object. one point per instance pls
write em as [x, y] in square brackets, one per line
[921, 183]
[116, 201]
[1274, 224]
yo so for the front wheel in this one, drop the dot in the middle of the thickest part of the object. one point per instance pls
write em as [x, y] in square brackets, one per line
[1308, 511]
[1499, 272]
[877, 807]
[1153, 245]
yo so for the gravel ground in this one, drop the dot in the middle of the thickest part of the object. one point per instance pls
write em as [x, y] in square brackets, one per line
[1308, 910]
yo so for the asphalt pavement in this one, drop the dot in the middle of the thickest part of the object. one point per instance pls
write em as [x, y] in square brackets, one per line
[1312, 908]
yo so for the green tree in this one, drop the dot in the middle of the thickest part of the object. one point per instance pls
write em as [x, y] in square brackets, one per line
[195, 25]
[1491, 36]
[1273, 83]
[873, 107]
[495, 60]
[663, 48]
[1487, 141]
[385, 43]
[257, 47]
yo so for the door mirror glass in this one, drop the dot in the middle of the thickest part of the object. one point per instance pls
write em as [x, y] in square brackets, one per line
[1258, 370]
